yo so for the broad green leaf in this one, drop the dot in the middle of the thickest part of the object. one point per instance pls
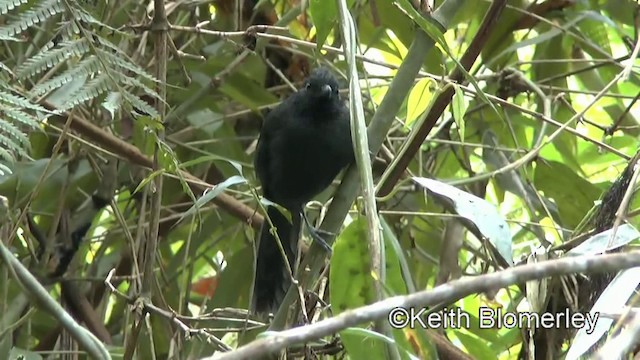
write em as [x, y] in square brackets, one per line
[351, 285]
[206, 120]
[236, 280]
[512, 181]
[476, 346]
[573, 194]
[324, 14]
[484, 216]
[366, 336]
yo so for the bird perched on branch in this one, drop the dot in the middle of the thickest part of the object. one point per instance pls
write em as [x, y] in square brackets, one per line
[304, 143]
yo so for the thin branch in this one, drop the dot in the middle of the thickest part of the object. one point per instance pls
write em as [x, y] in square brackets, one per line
[132, 154]
[176, 319]
[39, 294]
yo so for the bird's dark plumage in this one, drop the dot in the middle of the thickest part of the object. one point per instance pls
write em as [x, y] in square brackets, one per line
[303, 145]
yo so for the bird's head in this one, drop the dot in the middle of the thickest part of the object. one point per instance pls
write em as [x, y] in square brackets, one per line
[321, 84]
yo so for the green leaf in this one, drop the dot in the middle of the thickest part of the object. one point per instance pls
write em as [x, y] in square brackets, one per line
[207, 158]
[206, 120]
[436, 34]
[396, 264]
[418, 100]
[212, 194]
[573, 194]
[147, 180]
[513, 181]
[351, 284]
[324, 14]
[459, 106]
[361, 344]
[365, 337]
[235, 281]
[476, 346]
[483, 215]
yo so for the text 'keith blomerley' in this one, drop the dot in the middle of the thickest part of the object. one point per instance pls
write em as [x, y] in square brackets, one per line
[487, 318]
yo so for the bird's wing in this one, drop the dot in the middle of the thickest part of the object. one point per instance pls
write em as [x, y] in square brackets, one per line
[273, 123]
[261, 161]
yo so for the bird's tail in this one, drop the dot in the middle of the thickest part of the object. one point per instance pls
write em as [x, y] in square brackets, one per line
[272, 279]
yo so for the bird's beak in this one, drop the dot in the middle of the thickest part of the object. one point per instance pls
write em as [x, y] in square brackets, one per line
[326, 90]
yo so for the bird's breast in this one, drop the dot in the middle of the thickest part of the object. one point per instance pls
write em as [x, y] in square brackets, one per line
[306, 159]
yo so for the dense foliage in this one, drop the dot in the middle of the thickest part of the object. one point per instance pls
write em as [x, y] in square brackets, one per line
[505, 134]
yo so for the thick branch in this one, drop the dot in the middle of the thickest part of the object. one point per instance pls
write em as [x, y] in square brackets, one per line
[446, 293]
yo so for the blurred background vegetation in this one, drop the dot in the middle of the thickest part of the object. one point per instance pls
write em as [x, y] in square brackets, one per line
[82, 149]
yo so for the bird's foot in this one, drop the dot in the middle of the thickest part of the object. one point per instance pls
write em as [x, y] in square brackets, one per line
[318, 234]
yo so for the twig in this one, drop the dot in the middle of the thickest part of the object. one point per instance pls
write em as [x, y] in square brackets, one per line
[132, 154]
[250, 31]
[148, 307]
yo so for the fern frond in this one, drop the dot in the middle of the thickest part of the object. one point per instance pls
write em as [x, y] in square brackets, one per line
[13, 132]
[11, 146]
[132, 81]
[22, 117]
[115, 100]
[20, 102]
[91, 90]
[6, 156]
[141, 105]
[40, 13]
[82, 15]
[117, 58]
[8, 5]
[91, 65]
[85, 68]
[51, 57]
[14, 120]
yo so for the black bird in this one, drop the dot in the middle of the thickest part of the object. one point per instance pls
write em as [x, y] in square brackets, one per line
[304, 143]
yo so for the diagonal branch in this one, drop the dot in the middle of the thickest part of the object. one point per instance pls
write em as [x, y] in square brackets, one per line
[443, 100]
[132, 154]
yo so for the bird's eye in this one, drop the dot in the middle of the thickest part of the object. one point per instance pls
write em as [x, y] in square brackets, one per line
[308, 86]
